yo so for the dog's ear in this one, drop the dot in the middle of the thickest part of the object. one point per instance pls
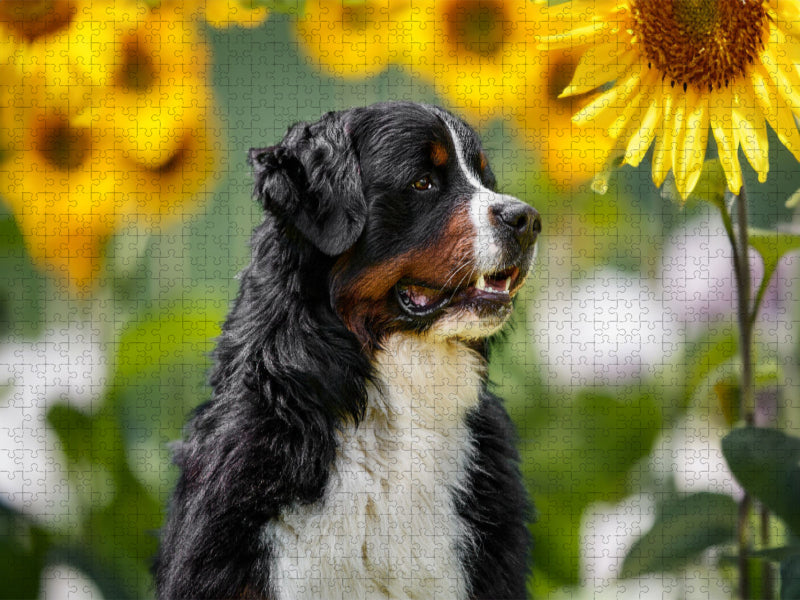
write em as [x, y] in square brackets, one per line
[312, 178]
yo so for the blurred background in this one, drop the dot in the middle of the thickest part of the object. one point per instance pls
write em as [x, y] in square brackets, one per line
[126, 211]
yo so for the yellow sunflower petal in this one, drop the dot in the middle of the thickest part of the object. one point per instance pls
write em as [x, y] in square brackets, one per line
[579, 36]
[691, 148]
[599, 65]
[604, 109]
[783, 73]
[645, 134]
[226, 13]
[752, 130]
[778, 114]
[721, 121]
[642, 136]
[662, 155]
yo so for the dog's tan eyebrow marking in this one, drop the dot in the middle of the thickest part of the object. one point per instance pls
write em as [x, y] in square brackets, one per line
[439, 154]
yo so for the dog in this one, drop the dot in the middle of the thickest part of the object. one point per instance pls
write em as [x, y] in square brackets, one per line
[351, 448]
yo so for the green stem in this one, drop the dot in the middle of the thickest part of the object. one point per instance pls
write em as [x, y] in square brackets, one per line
[743, 287]
[746, 321]
[744, 543]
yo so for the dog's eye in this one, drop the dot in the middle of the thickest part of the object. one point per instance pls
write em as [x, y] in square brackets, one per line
[423, 184]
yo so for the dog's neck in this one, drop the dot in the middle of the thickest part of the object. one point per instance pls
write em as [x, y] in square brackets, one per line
[440, 377]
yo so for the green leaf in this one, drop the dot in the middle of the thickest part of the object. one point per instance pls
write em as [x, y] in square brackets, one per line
[775, 554]
[704, 362]
[684, 528]
[712, 184]
[766, 462]
[772, 246]
[790, 578]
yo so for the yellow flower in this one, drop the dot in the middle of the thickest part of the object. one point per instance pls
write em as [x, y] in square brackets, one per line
[676, 69]
[571, 156]
[120, 130]
[225, 13]
[63, 187]
[11, 101]
[73, 59]
[26, 21]
[478, 52]
[157, 88]
[160, 194]
[353, 39]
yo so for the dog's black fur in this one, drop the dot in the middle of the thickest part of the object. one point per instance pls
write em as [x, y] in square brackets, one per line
[289, 372]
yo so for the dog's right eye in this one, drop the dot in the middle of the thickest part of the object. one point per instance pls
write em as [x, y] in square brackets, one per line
[423, 184]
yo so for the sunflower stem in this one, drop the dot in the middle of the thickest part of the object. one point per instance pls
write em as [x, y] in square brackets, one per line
[746, 322]
[743, 288]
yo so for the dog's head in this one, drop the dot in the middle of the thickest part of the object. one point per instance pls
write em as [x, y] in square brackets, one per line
[403, 200]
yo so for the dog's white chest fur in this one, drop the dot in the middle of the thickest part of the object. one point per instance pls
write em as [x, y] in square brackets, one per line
[387, 526]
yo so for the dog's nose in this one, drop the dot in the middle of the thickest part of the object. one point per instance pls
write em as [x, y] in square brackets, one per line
[518, 219]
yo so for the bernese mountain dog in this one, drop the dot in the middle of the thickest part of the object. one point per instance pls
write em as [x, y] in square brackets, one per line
[351, 448]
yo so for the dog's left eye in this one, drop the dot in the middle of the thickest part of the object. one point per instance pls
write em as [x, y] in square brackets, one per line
[423, 184]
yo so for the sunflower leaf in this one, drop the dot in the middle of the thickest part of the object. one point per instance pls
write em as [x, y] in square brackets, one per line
[684, 528]
[772, 246]
[766, 462]
[790, 577]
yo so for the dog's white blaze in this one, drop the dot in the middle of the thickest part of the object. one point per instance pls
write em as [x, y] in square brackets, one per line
[487, 250]
[387, 526]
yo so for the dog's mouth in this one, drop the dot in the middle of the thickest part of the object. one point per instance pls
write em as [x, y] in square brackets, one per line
[423, 300]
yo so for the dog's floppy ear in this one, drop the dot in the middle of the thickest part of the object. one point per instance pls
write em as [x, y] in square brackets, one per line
[313, 180]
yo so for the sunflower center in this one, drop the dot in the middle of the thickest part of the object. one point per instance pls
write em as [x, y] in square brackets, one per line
[65, 147]
[696, 17]
[137, 72]
[33, 19]
[480, 27]
[700, 43]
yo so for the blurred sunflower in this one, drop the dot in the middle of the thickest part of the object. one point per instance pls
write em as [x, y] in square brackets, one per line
[160, 194]
[63, 188]
[677, 68]
[118, 125]
[571, 157]
[479, 53]
[158, 85]
[26, 21]
[227, 13]
[10, 105]
[353, 39]
[67, 61]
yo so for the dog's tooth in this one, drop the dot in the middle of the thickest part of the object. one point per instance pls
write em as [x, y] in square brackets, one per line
[481, 283]
[508, 284]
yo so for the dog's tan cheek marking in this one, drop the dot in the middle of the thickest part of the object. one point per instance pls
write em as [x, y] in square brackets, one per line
[484, 161]
[361, 299]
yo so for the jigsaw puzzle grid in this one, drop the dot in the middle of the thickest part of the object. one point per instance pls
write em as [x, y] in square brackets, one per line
[128, 212]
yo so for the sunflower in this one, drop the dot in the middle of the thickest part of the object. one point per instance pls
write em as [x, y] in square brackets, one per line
[477, 53]
[670, 71]
[157, 86]
[352, 39]
[67, 48]
[63, 188]
[570, 157]
[226, 13]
